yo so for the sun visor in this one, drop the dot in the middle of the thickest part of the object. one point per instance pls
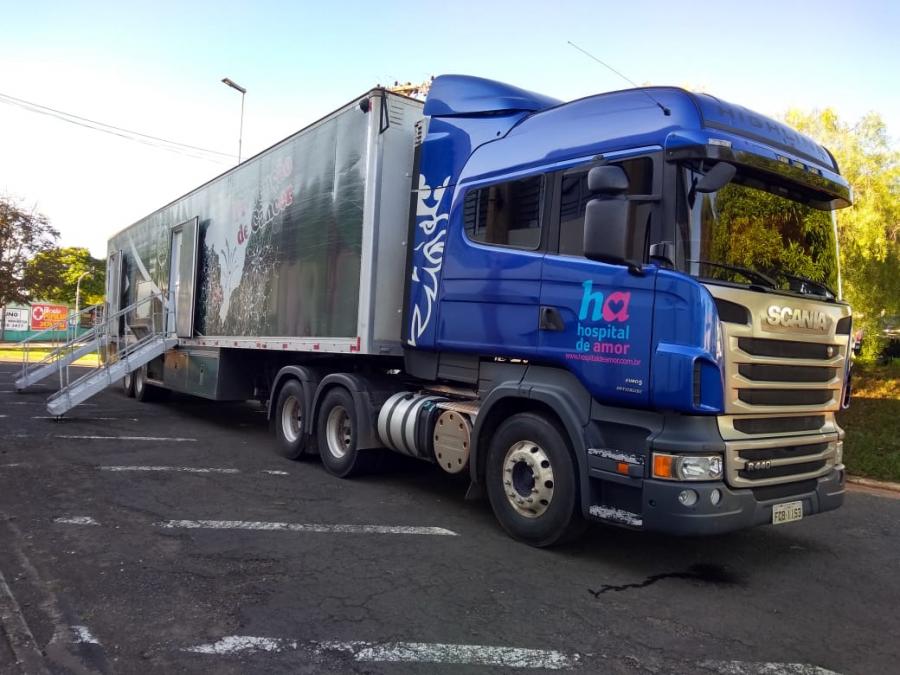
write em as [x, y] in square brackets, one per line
[466, 95]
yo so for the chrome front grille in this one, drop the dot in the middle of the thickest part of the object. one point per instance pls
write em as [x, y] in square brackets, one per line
[779, 460]
[782, 388]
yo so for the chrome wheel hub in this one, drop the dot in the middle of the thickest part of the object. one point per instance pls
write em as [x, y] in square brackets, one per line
[528, 479]
[292, 419]
[338, 432]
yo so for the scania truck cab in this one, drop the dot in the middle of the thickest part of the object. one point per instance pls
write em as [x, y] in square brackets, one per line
[634, 298]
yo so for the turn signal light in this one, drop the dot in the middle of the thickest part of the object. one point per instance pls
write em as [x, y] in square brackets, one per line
[663, 466]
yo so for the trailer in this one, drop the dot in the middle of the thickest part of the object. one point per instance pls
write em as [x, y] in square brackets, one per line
[547, 297]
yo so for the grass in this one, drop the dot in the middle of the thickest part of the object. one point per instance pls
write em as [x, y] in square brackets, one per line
[872, 423]
[14, 355]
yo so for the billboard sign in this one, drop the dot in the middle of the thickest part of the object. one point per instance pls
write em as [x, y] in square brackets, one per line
[16, 318]
[47, 317]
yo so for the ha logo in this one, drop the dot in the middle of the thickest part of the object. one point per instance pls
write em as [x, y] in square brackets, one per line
[791, 317]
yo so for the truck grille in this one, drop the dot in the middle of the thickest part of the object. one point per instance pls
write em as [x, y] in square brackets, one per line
[778, 425]
[784, 349]
[761, 463]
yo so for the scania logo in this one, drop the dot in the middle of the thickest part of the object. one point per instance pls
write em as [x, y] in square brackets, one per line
[791, 317]
[761, 465]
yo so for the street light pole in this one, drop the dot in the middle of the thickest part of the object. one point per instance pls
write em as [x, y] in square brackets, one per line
[236, 86]
[78, 299]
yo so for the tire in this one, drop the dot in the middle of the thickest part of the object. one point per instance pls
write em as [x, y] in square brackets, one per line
[128, 385]
[143, 392]
[529, 459]
[337, 430]
[289, 420]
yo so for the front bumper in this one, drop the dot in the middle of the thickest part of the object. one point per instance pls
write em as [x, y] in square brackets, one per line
[662, 512]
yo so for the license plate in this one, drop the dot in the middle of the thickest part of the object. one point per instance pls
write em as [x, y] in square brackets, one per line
[787, 512]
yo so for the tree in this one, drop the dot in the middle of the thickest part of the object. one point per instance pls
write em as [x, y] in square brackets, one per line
[53, 275]
[23, 234]
[869, 231]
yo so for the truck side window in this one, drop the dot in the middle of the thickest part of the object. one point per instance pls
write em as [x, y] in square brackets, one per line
[507, 214]
[575, 196]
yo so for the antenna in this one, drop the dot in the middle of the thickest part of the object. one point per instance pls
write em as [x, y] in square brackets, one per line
[665, 110]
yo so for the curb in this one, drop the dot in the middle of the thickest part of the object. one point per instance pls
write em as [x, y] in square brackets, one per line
[879, 484]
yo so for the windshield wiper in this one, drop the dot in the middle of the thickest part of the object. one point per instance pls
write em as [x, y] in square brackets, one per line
[751, 274]
[828, 293]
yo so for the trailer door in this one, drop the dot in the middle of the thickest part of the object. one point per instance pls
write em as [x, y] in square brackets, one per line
[114, 290]
[183, 278]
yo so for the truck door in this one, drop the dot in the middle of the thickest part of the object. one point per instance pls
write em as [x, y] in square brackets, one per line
[596, 319]
[492, 270]
[182, 278]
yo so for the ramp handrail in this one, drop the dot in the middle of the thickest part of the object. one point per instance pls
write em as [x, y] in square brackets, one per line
[108, 328]
[74, 340]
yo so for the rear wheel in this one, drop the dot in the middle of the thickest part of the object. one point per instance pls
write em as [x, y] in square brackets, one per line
[128, 385]
[531, 481]
[144, 391]
[337, 429]
[290, 415]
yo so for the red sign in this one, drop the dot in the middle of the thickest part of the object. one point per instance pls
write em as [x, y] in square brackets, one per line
[46, 317]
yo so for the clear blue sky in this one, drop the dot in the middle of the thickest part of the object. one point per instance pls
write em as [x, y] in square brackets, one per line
[155, 67]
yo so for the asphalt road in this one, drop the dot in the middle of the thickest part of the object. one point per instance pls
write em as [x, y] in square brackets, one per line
[168, 537]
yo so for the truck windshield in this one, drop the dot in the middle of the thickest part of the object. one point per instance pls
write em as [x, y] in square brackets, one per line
[745, 233]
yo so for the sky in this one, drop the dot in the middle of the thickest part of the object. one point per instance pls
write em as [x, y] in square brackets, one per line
[156, 68]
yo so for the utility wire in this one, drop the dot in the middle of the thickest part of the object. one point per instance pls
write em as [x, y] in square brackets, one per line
[146, 139]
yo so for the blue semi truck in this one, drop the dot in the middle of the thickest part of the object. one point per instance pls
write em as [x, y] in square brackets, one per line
[624, 308]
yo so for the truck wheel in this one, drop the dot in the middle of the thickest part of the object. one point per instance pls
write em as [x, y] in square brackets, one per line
[337, 430]
[141, 388]
[290, 427]
[531, 481]
[128, 385]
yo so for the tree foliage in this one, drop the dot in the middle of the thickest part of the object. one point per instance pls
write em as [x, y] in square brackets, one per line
[869, 231]
[53, 275]
[23, 234]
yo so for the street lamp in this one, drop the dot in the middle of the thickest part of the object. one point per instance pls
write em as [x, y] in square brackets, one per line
[236, 86]
[78, 298]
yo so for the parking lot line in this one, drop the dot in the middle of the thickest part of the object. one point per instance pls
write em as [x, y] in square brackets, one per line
[127, 438]
[183, 469]
[399, 652]
[303, 527]
[75, 520]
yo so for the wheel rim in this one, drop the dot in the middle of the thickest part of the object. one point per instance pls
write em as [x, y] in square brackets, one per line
[127, 381]
[292, 419]
[338, 432]
[528, 479]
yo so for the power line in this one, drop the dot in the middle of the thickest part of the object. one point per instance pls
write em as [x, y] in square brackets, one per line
[146, 139]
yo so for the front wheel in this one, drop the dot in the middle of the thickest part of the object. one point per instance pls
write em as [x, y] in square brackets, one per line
[531, 481]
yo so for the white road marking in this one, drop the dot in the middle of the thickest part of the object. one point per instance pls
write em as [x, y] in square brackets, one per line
[302, 527]
[272, 472]
[765, 668]
[76, 520]
[183, 469]
[400, 652]
[84, 419]
[81, 635]
[4, 415]
[12, 465]
[88, 405]
[127, 438]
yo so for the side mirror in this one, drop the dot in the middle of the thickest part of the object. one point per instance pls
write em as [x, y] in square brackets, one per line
[606, 231]
[717, 177]
[607, 179]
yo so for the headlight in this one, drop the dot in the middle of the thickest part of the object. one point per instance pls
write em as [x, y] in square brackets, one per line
[687, 467]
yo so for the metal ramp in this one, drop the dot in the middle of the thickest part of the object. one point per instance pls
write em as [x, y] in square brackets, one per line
[133, 357]
[64, 353]
[123, 341]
